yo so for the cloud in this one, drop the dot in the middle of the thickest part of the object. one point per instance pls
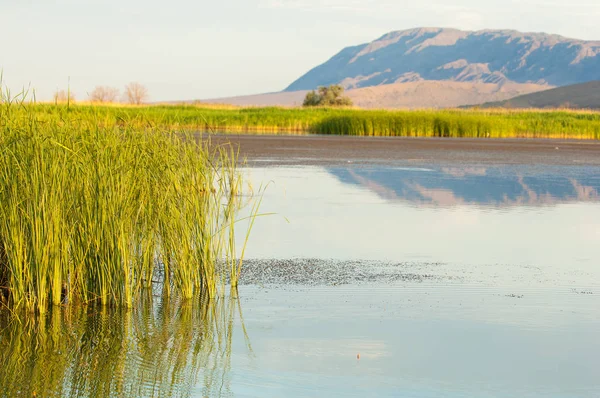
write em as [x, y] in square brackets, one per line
[464, 15]
[362, 6]
[469, 20]
[470, 10]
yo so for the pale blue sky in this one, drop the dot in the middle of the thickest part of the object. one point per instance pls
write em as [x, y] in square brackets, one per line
[184, 49]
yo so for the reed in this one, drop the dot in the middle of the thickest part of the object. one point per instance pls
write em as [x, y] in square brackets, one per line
[162, 348]
[93, 208]
[475, 123]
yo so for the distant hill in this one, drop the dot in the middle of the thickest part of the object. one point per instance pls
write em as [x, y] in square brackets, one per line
[437, 94]
[422, 94]
[486, 56]
[294, 98]
[577, 96]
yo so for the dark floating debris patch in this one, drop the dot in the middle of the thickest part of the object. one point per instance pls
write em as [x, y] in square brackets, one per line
[332, 272]
[586, 292]
[519, 296]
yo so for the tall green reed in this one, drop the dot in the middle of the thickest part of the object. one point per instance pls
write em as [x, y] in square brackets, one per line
[93, 210]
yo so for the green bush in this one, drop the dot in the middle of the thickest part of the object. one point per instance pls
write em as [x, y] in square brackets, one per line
[327, 96]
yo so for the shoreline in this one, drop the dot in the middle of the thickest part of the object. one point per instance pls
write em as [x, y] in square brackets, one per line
[451, 123]
[295, 150]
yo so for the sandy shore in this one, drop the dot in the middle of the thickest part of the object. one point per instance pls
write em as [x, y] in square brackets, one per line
[302, 150]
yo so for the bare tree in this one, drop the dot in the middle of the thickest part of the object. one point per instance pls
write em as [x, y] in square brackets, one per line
[136, 93]
[62, 96]
[104, 94]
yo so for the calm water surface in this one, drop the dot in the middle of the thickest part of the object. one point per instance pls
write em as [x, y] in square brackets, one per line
[371, 280]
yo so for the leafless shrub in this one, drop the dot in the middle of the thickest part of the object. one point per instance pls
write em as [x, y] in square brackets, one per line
[104, 94]
[136, 93]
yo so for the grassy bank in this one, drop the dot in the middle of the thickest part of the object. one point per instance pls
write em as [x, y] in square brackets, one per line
[419, 123]
[97, 205]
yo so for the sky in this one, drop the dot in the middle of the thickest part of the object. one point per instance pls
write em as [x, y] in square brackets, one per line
[198, 49]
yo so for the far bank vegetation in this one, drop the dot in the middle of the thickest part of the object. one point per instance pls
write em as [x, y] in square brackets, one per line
[104, 94]
[63, 97]
[135, 93]
[456, 123]
[327, 96]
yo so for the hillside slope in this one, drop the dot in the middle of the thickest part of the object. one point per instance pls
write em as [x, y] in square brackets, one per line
[487, 56]
[578, 96]
[422, 94]
[437, 94]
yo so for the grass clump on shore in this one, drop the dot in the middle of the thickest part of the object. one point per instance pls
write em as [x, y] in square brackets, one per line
[92, 211]
[472, 123]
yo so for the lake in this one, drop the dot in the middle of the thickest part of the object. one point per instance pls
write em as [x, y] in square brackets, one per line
[454, 272]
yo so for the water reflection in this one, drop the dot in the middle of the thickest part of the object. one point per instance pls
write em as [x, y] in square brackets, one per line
[501, 300]
[525, 216]
[159, 349]
[453, 186]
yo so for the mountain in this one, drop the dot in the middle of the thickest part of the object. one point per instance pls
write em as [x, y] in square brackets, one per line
[421, 94]
[450, 186]
[486, 56]
[578, 96]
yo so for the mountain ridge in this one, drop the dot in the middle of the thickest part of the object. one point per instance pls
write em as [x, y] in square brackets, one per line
[484, 56]
[577, 96]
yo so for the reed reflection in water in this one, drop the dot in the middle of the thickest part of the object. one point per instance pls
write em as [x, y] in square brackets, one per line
[160, 348]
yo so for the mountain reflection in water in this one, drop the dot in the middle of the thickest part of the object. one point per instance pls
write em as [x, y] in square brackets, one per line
[452, 186]
[157, 349]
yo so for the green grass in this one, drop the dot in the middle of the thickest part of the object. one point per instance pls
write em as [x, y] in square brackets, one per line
[419, 123]
[96, 201]
[95, 205]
